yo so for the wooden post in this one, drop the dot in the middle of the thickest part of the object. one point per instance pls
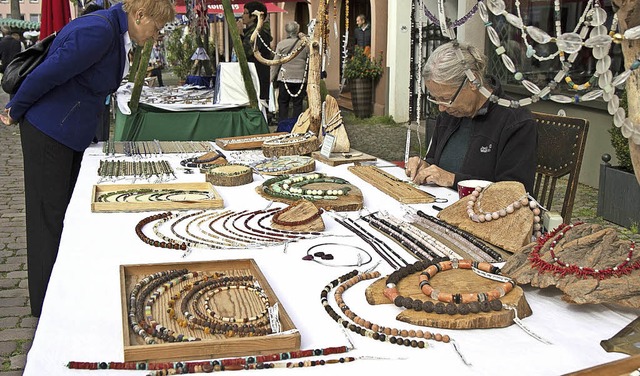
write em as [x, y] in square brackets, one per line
[242, 58]
[140, 75]
[628, 17]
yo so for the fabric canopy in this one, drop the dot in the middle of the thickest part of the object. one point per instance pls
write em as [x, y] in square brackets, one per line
[55, 14]
[237, 8]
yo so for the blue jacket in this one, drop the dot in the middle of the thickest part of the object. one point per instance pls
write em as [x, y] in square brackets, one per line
[64, 96]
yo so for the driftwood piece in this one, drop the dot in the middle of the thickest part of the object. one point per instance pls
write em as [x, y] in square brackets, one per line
[455, 280]
[586, 245]
[334, 125]
[290, 218]
[509, 233]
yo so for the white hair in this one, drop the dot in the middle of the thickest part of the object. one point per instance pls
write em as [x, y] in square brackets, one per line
[444, 65]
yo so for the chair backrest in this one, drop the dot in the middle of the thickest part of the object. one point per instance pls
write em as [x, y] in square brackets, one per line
[561, 144]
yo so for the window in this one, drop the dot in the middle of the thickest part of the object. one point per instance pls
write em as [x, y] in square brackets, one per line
[33, 1]
[34, 17]
[541, 71]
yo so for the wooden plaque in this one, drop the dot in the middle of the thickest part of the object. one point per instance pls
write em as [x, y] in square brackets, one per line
[399, 189]
[211, 346]
[455, 280]
[246, 142]
[215, 202]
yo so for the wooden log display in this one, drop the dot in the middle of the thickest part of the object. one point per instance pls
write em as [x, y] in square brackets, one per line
[510, 232]
[290, 144]
[351, 201]
[392, 186]
[230, 175]
[285, 165]
[455, 280]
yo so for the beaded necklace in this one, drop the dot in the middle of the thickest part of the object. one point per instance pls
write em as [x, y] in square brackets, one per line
[459, 22]
[368, 329]
[407, 241]
[292, 187]
[302, 84]
[559, 267]
[474, 303]
[472, 243]
[483, 216]
[217, 365]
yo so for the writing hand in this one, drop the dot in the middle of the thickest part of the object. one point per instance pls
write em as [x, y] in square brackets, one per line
[413, 166]
[434, 175]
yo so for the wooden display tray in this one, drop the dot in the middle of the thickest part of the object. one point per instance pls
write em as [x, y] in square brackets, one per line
[109, 207]
[455, 280]
[217, 346]
[251, 144]
[621, 367]
[337, 159]
[399, 189]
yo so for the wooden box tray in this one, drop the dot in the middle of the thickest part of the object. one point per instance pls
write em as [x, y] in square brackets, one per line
[211, 346]
[246, 142]
[214, 202]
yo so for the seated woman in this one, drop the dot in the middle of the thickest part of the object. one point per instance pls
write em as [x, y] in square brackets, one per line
[475, 137]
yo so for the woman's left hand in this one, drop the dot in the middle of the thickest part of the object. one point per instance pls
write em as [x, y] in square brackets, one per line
[6, 118]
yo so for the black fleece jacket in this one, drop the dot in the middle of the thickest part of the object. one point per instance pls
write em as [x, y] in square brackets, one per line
[502, 147]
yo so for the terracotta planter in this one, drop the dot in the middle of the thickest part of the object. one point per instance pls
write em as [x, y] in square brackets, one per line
[362, 96]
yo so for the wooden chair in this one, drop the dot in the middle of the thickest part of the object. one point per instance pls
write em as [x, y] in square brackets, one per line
[561, 144]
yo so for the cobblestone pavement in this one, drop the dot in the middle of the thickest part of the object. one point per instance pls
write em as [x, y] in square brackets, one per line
[17, 326]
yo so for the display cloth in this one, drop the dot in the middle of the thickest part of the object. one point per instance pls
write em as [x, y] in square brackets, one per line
[150, 123]
[82, 318]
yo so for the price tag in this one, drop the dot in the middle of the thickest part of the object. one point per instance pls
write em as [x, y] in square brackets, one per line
[327, 145]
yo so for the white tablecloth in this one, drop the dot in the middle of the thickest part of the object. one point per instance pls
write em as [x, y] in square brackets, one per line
[82, 321]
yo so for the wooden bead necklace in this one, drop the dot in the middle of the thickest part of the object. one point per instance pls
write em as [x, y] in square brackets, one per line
[292, 187]
[557, 266]
[407, 241]
[455, 303]
[375, 328]
[183, 367]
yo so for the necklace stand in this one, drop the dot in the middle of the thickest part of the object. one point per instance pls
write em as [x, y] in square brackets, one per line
[457, 280]
[510, 232]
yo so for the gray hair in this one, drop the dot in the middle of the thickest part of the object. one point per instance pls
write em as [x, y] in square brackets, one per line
[292, 28]
[444, 66]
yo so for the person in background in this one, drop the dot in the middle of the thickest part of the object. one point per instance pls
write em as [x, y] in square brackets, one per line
[290, 77]
[474, 137]
[9, 48]
[57, 106]
[263, 42]
[362, 33]
[157, 62]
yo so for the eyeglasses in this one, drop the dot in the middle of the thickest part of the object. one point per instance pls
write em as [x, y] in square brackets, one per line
[453, 99]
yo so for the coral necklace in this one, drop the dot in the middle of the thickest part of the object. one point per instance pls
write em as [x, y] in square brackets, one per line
[557, 266]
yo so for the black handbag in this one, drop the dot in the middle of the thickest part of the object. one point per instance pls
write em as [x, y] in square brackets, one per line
[25, 62]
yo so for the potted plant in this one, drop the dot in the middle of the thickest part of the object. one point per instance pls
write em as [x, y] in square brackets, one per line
[362, 71]
[619, 191]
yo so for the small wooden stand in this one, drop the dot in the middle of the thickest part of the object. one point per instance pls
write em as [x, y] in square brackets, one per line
[298, 212]
[230, 175]
[299, 164]
[455, 280]
[336, 159]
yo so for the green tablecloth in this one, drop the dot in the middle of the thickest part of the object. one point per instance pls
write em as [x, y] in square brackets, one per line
[150, 123]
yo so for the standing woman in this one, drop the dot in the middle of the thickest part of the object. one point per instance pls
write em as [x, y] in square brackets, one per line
[290, 76]
[57, 107]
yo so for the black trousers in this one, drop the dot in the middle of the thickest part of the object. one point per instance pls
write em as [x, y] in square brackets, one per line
[50, 173]
[284, 98]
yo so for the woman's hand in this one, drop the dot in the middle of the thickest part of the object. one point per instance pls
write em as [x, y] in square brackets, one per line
[6, 118]
[434, 175]
[414, 165]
